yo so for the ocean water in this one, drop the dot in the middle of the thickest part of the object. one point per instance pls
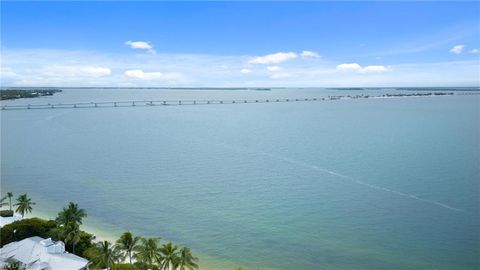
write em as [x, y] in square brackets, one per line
[344, 184]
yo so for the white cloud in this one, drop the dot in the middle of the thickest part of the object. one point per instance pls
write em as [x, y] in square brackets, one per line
[457, 49]
[374, 69]
[142, 75]
[274, 58]
[359, 68]
[279, 75]
[245, 71]
[474, 51]
[349, 66]
[45, 68]
[140, 45]
[309, 54]
[97, 71]
[274, 68]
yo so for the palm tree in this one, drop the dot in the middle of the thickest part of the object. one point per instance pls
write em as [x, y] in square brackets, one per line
[71, 214]
[170, 258]
[148, 251]
[24, 204]
[102, 255]
[2, 201]
[127, 244]
[71, 234]
[186, 260]
[10, 195]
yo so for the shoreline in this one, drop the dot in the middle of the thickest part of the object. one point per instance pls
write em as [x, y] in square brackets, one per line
[205, 261]
[99, 234]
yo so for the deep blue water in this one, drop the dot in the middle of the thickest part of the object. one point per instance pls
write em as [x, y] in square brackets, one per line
[346, 184]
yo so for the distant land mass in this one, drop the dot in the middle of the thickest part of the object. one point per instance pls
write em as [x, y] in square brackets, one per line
[26, 93]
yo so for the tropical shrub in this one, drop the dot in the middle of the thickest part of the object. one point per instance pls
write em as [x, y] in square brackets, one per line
[44, 228]
[26, 228]
[144, 266]
[125, 266]
[84, 243]
[12, 266]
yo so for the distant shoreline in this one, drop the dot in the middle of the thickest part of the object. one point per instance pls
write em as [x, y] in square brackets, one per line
[267, 88]
[180, 102]
[9, 94]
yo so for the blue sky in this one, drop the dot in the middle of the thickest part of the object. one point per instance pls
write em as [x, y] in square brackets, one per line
[240, 43]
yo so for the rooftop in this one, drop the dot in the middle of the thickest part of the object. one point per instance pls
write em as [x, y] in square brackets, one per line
[38, 253]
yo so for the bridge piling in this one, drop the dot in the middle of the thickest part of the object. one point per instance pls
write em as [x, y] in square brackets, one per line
[133, 103]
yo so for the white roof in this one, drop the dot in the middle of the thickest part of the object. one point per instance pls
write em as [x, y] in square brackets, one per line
[7, 220]
[38, 253]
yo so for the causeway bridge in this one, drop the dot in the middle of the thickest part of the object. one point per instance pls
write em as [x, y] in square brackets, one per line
[145, 103]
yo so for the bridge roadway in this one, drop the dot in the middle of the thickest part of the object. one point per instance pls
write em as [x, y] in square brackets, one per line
[143, 103]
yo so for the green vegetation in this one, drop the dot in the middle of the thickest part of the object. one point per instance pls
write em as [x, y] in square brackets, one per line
[3, 202]
[69, 221]
[71, 214]
[12, 266]
[102, 255]
[142, 253]
[169, 253]
[25, 228]
[124, 266]
[186, 259]
[10, 195]
[6, 213]
[127, 243]
[24, 204]
[147, 252]
[24, 93]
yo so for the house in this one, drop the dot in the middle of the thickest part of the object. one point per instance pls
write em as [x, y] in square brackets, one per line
[36, 253]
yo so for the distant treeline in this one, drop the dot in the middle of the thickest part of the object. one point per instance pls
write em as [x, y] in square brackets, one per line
[419, 94]
[349, 88]
[23, 93]
[409, 88]
[438, 89]
[176, 88]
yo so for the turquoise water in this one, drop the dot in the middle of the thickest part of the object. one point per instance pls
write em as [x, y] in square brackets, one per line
[346, 184]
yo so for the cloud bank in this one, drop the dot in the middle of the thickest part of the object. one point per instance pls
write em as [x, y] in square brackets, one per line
[39, 67]
[142, 75]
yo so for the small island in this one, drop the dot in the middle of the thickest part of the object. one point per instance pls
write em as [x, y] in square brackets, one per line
[26, 93]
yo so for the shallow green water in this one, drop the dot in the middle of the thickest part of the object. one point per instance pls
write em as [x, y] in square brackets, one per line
[347, 184]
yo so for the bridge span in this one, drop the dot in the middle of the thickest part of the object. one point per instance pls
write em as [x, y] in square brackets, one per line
[144, 103]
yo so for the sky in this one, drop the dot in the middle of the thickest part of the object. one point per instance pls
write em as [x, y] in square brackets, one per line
[240, 44]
